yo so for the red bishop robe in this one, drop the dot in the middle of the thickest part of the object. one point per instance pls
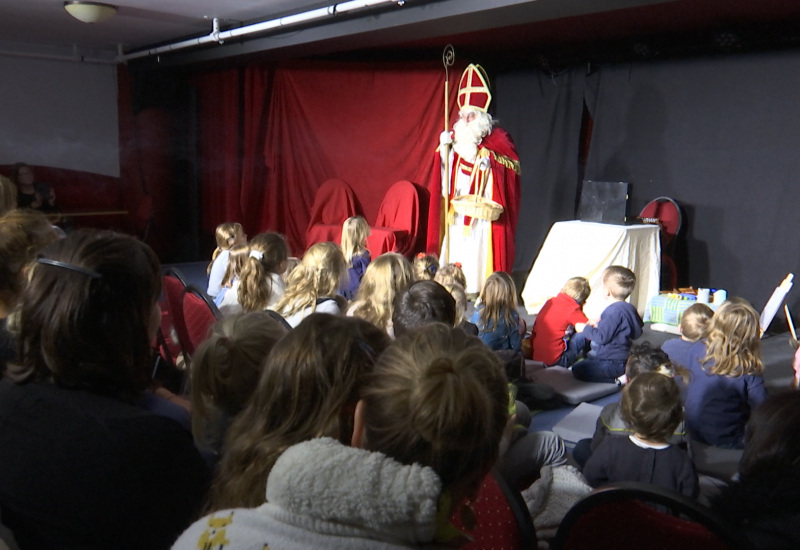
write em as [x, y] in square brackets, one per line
[504, 164]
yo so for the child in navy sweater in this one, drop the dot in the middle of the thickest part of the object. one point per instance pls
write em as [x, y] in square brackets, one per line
[611, 338]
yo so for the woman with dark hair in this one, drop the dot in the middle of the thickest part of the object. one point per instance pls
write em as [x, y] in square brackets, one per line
[765, 500]
[30, 193]
[81, 465]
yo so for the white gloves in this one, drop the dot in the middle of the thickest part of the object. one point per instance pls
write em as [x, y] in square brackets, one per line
[445, 138]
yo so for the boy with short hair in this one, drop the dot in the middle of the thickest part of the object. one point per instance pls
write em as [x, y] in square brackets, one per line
[694, 325]
[611, 338]
[553, 328]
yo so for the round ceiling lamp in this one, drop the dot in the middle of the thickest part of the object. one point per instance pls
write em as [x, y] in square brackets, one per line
[90, 12]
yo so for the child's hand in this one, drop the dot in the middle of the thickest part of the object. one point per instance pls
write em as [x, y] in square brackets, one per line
[579, 327]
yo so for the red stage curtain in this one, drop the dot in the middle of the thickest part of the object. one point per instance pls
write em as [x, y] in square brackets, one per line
[368, 124]
[219, 107]
[270, 137]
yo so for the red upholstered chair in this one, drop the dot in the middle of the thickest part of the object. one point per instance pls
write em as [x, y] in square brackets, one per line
[199, 313]
[665, 212]
[333, 204]
[621, 517]
[396, 227]
[502, 520]
[173, 285]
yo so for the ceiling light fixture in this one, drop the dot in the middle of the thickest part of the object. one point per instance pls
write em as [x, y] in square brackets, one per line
[90, 12]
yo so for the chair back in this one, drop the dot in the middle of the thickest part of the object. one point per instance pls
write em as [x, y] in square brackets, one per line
[173, 285]
[666, 212]
[199, 314]
[334, 202]
[636, 515]
[502, 520]
[399, 213]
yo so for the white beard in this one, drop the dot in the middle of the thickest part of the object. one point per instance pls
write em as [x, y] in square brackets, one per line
[467, 137]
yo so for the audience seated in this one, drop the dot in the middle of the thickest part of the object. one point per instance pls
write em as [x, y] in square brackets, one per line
[8, 195]
[260, 285]
[384, 279]
[765, 500]
[421, 303]
[225, 371]
[417, 445]
[82, 466]
[227, 235]
[313, 286]
[22, 234]
[309, 388]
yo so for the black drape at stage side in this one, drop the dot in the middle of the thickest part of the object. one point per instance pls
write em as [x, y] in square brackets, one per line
[543, 115]
[719, 135]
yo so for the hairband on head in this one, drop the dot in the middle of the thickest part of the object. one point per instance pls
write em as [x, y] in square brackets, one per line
[257, 255]
[666, 369]
[78, 269]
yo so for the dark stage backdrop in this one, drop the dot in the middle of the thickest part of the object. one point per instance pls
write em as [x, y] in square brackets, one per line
[720, 136]
[543, 115]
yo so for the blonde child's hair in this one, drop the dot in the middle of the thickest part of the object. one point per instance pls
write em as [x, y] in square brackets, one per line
[385, 278]
[291, 263]
[226, 236]
[355, 231]
[267, 253]
[8, 195]
[695, 321]
[322, 273]
[651, 406]
[425, 267]
[236, 260]
[450, 274]
[734, 340]
[619, 280]
[578, 289]
[309, 388]
[499, 300]
[439, 398]
[226, 366]
[460, 296]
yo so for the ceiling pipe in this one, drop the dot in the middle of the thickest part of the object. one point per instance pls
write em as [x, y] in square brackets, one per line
[219, 37]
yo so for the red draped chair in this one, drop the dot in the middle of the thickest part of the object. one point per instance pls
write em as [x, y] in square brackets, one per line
[333, 204]
[397, 224]
[665, 212]
[199, 314]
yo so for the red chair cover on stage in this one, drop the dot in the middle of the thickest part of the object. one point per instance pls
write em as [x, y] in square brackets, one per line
[333, 204]
[396, 226]
[174, 284]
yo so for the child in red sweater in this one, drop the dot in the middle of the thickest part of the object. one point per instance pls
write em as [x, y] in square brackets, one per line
[554, 326]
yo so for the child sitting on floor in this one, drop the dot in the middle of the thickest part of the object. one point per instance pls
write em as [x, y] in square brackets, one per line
[227, 235]
[725, 376]
[694, 325]
[496, 315]
[552, 332]
[644, 358]
[611, 339]
[355, 231]
[651, 407]
[425, 267]
[236, 260]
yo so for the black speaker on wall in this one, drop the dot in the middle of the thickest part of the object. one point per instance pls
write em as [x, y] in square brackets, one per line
[604, 202]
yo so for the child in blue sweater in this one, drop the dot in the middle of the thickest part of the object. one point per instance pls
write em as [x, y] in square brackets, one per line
[611, 338]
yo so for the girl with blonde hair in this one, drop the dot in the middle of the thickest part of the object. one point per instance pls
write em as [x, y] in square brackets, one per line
[260, 285]
[425, 267]
[309, 388]
[8, 195]
[424, 434]
[450, 274]
[227, 235]
[496, 314]
[313, 285]
[385, 278]
[238, 256]
[225, 371]
[725, 376]
[355, 231]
